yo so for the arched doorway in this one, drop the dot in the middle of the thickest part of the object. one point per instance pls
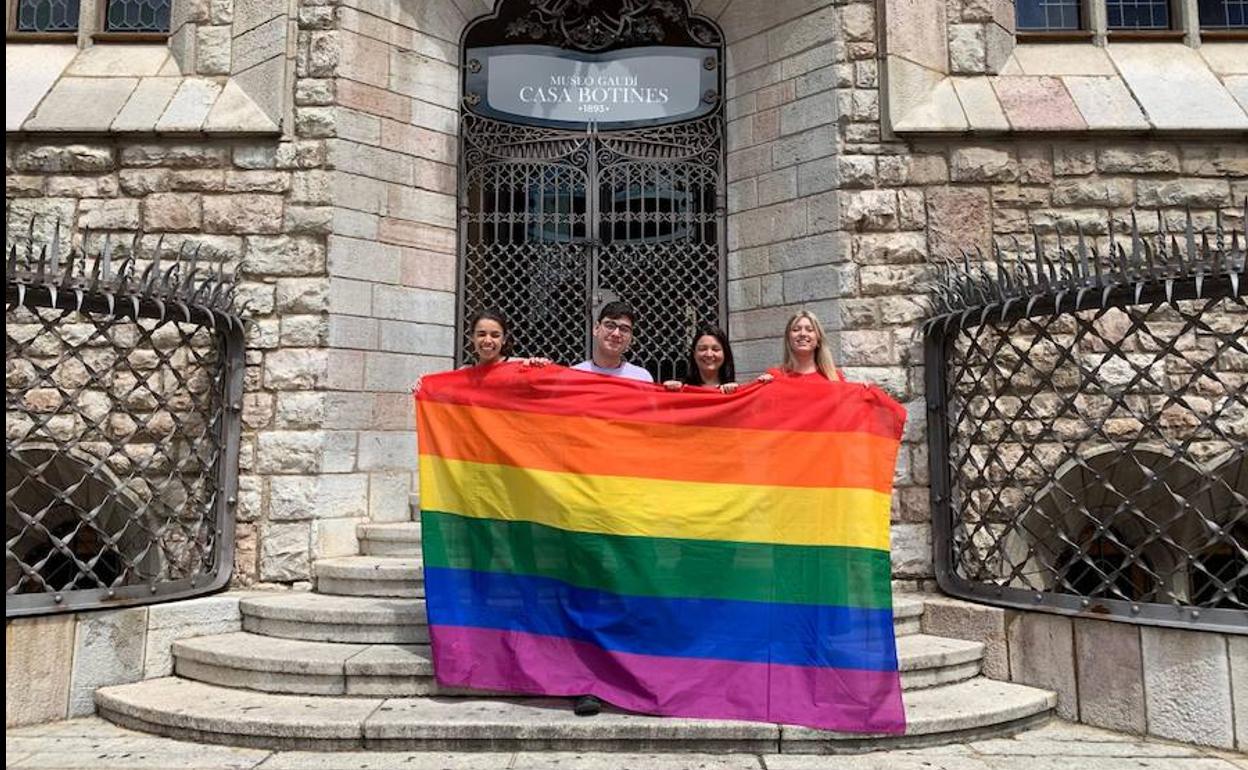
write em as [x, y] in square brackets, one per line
[591, 169]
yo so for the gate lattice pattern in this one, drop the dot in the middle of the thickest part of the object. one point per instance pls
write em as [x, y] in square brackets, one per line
[122, 430]
[555, 223]
[1088, 432]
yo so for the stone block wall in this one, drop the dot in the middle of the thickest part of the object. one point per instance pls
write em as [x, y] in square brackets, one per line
[782, 109]
[251, 41]
[981, 35]
[392, 256]
[345, 227]
[1170, 683]
[864, 214]
[342, 229]
[917, 201]
[260, 206]
[803, 84]
[53, 665]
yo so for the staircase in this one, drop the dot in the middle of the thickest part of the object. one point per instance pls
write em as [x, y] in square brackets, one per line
[348, 667]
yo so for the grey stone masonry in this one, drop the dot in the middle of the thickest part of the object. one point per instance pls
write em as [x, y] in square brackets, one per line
[391, 260]
[1172, 683]
[247, 204]
[313, 149]
[143, 88]
[54, 664]
[109, 649]
[38, 662]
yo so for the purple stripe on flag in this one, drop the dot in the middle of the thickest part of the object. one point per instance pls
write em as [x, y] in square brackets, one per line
[824, 698]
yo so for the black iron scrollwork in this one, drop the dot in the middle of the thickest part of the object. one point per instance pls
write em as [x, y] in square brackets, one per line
[597, 26]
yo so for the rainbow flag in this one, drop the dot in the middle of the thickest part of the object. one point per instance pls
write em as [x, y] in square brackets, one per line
[691, 553]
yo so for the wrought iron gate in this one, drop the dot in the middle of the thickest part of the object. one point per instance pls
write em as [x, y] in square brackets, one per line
[555, 222]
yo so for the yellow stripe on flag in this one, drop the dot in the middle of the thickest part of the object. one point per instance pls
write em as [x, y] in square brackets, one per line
[624, 505]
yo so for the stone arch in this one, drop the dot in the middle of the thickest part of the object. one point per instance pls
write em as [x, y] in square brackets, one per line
[79, 501]
[1077, 518]
[784, 64]
[563, 210]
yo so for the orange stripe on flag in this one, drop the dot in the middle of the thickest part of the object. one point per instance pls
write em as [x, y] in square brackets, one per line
[596, 447]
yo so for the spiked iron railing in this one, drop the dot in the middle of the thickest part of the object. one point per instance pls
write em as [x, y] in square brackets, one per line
[1088, 418]
[123, 399]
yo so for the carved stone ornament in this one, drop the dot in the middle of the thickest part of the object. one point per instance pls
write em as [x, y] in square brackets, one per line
[596, 25]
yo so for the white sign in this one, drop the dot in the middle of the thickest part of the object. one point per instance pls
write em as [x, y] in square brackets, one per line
[549, 85]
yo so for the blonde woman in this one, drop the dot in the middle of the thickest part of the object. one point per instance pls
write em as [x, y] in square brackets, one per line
[805, 350]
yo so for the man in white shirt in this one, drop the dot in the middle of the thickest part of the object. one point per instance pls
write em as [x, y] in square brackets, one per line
[612, 335]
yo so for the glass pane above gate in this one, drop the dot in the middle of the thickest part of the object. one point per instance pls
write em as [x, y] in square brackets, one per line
[556, 206]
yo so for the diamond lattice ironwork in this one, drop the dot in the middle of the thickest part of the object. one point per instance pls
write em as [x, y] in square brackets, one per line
[556, 223]
[122, 421]
[1090, 419]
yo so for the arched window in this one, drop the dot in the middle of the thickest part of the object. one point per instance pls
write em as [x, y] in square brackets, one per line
[1219, 572]
[1104, 565]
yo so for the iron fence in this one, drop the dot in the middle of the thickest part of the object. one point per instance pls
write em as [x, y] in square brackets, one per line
[1088, 417]
[122, 417]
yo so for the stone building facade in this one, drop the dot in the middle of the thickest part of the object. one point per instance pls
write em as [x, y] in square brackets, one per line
[312, 147]
[337, 202]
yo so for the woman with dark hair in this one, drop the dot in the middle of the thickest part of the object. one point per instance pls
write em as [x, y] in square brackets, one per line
[491, 337]
[491, 342]
[709, 363]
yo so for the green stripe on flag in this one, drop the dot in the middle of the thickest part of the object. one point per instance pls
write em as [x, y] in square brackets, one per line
[664, 567]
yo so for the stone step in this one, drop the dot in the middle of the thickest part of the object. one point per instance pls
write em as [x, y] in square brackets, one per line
[184, 709]
[270, 664]
[345, 619]
[928, 661]
[907, 615]
[320, 617]
[397, 539]
[392, 576]
[973, 710]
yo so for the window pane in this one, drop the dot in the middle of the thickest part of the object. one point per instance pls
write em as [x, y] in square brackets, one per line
[1138, 14]
[1047, 15]
[1224, 14]
[138, 16]
[47, 16]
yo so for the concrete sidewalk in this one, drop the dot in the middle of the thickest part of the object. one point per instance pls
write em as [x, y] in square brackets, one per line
[98, 745]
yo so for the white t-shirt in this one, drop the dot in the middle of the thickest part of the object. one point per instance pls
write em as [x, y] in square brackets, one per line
[626, 370]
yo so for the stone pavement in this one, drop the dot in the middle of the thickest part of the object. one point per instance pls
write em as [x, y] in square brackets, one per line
[98, 745]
